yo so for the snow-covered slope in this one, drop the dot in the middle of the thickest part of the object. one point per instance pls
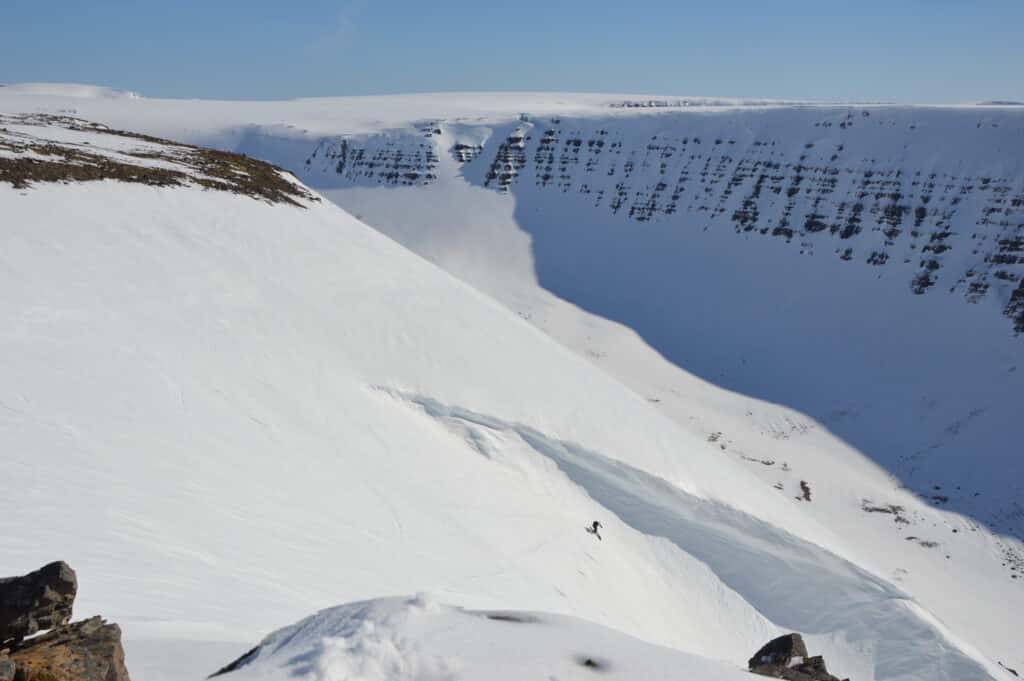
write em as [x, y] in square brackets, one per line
[859, 266]
[226, 413]
[270, 408]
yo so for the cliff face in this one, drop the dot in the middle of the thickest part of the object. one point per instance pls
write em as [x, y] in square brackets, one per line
[384, 160]
[939, 193]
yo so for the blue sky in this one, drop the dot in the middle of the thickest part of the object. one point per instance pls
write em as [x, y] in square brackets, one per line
[899, 50]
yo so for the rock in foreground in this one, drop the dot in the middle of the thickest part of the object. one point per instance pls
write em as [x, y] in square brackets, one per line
[786, 658]
[89, 650]
[36, 601]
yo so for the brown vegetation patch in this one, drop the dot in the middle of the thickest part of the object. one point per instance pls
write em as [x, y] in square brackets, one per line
[208, 168]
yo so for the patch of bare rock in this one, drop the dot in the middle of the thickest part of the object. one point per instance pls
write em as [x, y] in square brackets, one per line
[38, 641]
[786, 658]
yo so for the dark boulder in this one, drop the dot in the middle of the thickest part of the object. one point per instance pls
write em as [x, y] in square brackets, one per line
[786, 658]
[89, 650]
[779, 652]
[36, 601]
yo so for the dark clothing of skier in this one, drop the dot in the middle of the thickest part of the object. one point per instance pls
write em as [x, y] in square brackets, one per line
[593, 529]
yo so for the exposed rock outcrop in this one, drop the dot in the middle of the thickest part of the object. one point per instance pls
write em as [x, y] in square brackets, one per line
[36, 601]
[786, 657]
[89, 650]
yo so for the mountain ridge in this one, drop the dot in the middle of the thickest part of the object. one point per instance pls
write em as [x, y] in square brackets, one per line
[240, 252]
[823, 191]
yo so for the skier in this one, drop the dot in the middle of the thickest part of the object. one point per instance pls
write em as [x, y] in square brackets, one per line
[593, 529]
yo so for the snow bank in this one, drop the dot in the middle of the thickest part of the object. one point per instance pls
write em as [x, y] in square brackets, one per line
[73, 90]
[418, 639]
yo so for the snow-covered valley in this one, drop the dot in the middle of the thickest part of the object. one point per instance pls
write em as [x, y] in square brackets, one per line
[270, 409]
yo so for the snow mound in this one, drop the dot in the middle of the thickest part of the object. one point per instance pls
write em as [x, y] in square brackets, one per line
[417, 639]
[75, 90]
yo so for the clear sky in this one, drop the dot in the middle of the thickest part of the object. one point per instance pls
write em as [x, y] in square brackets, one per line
[894, 50]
